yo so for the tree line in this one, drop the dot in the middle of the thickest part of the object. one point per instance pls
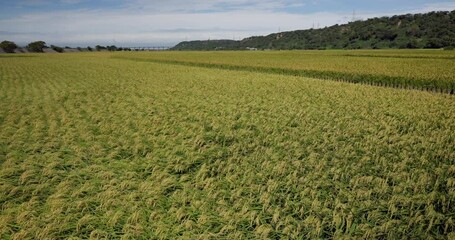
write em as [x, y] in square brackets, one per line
[40, 46]
[430, 30]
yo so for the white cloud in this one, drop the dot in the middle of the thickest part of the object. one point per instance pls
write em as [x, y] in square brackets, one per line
[171, 24]
[93, 26]
[32, 3]
[210, 5]
[70, 1]
[441, 6]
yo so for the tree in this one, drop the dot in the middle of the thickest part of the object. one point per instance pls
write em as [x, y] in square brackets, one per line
[36, 46]
[434, 43]
[412, 43]
[8, 46]
[89, 48]
[112, 48]
[99, 48]
[57, 48]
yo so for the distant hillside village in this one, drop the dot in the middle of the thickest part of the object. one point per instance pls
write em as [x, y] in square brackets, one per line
[410, 31]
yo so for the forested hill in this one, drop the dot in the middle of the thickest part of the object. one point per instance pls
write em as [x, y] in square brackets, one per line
[430, 30]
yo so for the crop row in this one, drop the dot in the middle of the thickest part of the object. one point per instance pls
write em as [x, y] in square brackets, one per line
[372, 79]
[426, 70]
[98, 147]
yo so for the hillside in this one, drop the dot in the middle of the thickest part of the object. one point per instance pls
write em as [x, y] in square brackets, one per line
[429, 30]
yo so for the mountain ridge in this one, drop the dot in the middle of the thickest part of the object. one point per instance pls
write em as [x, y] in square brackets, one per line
[423, 30]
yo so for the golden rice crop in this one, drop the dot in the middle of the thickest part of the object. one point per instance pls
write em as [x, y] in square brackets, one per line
[432, 70]
[98, 147]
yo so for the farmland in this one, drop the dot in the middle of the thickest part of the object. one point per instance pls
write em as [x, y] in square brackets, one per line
[416, 69]
[213, 145]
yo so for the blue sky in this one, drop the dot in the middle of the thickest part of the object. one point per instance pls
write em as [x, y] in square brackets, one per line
[150, 22]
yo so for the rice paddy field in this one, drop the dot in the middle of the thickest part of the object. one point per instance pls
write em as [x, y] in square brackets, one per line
[228, 145]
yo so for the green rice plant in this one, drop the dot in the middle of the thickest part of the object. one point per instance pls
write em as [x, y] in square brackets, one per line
[418, 69]
[93, 145]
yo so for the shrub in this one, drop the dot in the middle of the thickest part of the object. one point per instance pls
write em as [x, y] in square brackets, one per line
[112, 48]
[57, 48]
[99, 48]
[434, 43]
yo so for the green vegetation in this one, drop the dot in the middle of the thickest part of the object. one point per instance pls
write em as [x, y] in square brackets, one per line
[99, 48]
[430, 30]
[208, 45]
[57, 48]
[8, 46]
[419, 69]
[96, 146]
[111, 48]
[37, 46]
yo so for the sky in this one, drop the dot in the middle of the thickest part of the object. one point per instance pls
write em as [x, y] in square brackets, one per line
[146, 23]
